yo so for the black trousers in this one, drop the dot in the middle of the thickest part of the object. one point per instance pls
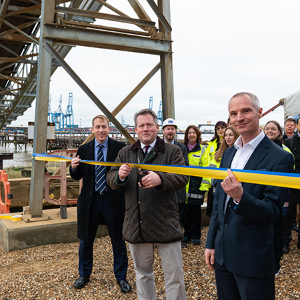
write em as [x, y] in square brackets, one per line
[288, 219]
[191, 221]
[102, 206]
[232, 286]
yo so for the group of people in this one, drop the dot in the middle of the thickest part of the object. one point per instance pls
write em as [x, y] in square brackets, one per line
[249, 224]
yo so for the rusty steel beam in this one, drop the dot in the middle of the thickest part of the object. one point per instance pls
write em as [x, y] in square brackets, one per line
[160, 16]
[106, 40]
[24, 10]
[166, 59]
[84, 87]
[141, 13]
[3, 11]
[136, 90]
[117, 11]
[41, 114]
[16, 59]
[92, 14]
[24, 25]
[21, 32]
[87, 25]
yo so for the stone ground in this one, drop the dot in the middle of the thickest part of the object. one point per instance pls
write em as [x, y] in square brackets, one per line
[48, 272]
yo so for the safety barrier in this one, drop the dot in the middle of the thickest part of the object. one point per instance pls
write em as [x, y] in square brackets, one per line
[4, 206]
[63, 201]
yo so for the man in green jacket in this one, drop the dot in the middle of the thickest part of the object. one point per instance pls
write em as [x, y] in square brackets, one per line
[151, 211]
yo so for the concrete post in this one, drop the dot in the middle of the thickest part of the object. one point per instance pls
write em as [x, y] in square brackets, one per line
[167, 84]
[41, 112]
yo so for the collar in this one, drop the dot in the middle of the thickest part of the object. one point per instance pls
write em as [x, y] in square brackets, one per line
[253, 143]
[151, 145]
[159, 145]
[298, 133]
[168, 142]
[105, 144]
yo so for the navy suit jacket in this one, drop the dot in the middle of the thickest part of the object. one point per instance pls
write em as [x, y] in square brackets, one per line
[87, 172]
[243, 239]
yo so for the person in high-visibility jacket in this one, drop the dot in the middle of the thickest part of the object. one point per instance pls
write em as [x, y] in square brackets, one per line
[274, 132]
[210, 151]
[191, 214]
[230, 136]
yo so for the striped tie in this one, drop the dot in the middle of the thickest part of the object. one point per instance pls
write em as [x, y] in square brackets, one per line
[146, 148]
[101, 176]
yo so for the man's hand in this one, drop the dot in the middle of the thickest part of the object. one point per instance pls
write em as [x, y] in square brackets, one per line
[150, 180]
[75, 162]
[210, 258]
[124, 171]
[232, 187]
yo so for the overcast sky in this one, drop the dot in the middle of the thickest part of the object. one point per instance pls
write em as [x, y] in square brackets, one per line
[220, 48]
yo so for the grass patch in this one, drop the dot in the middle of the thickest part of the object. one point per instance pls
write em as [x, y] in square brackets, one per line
[13, 172]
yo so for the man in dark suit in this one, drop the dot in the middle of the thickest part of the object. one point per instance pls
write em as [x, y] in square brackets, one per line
[99, 204]
[240, 243]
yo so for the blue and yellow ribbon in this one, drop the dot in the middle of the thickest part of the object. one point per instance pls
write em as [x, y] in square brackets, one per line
[289, 180]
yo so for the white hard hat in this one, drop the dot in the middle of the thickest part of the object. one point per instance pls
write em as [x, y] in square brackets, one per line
[170, 122]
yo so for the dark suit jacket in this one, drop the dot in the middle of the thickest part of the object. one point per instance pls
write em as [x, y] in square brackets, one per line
[87, 172]
[244, 239]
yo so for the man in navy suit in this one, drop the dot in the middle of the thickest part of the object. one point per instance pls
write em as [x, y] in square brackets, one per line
[99, 204]
[240, 242]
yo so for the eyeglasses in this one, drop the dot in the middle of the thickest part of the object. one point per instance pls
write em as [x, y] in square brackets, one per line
[221, 128]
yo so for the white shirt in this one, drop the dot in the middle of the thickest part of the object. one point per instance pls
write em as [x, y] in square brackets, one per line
[150, 148]
[242, 156]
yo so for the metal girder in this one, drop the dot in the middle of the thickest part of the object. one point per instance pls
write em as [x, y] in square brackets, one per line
[97, 15]
[167, 86]
[137, 7]
[41, 114]
[20, 31]
[160, 15]
[3, 10]
[81, 24]
[106, 40]
[84, 87]
[19, 10]
[136, 90]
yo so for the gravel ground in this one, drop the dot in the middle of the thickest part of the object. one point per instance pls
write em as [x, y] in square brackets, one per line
[48, 272]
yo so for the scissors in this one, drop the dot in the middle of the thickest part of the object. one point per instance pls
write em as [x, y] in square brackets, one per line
[142, 173]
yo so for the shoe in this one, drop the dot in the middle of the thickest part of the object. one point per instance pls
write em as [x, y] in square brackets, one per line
[185, 240]
[286, 248]
[81, 282]
[196, 242]
[124, 285]
[295, 228]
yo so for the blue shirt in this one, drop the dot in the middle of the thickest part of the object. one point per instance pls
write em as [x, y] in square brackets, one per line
[104, 150]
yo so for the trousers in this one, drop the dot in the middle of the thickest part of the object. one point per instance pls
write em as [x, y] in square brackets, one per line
[102, 206]
[171, 259]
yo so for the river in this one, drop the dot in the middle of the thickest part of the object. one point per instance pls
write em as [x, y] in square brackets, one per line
[24, 158]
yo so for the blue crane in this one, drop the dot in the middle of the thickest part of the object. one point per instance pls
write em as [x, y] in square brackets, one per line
[159, 114]
[49, 110]
[69, 116]
[58, 116]
[151, 103]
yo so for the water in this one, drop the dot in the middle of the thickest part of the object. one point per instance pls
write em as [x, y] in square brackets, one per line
[24, 158]
[21, 157]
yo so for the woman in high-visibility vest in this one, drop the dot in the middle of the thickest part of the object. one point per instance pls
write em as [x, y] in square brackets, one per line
[274, 132]
[230, 136]
[211, 149]
[191, 213]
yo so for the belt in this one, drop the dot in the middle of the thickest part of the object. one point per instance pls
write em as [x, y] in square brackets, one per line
[103, 193]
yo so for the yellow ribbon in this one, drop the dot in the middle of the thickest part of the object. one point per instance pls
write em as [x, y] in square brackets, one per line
[256, 177]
